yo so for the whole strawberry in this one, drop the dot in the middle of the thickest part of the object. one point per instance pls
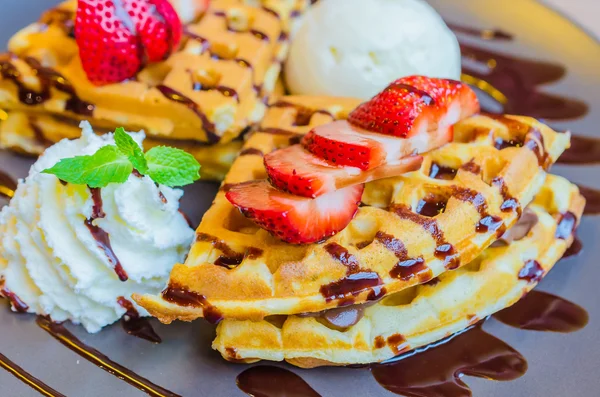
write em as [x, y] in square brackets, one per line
[117, 37]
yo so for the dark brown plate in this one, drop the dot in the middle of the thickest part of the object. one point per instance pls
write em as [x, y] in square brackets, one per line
[559, 364]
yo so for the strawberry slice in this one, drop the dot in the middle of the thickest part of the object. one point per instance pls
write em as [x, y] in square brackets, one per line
[415, 104]
[340, 143]
[293, 219]
[299, 172]
[116, 37]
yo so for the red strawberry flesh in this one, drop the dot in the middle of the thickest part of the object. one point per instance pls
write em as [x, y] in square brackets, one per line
[293, 219]
[340, 143]
[299, 172]
[415, 104]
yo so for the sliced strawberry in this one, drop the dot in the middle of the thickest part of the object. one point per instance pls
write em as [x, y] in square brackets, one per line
[157, 25]
[116, 37]
[415, 104]
[296, 220]
[108, 49]
[336, 146]
[299, 172]
[340, 143]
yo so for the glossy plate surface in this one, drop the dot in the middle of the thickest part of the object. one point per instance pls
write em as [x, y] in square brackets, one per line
[559, 364]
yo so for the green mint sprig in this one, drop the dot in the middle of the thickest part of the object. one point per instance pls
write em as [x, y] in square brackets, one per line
[113, 164]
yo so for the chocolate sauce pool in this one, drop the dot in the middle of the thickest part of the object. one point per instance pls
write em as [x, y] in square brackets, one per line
[430, 371]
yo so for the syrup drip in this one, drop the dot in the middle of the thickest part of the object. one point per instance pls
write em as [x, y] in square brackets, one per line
[27, 378]
[437, 370]
[583, 150]
[102, 238]
[592, 197]
[61, 334]
[270, 381]
[541, 311]
[178, 97]
[136, 325]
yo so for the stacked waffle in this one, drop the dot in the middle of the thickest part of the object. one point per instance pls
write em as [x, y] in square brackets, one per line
[427, 253]
[201, 97]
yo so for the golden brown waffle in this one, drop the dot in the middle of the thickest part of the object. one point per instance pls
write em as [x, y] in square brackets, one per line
[31, 133]
[210, 90]
[410, 229]
[422, 314]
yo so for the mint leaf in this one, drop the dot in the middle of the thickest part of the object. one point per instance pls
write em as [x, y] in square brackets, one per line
[172, 167]
[107, 165]
[131, 149]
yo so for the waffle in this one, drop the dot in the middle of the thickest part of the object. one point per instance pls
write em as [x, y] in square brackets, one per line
[419, 315]
[30, 133]
[409, 230]
[210, 90]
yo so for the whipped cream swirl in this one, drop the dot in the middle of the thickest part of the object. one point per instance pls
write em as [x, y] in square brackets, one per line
[72, 253]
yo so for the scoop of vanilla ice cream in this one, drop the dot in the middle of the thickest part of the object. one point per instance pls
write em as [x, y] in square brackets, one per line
[49, 258]
[356, 48]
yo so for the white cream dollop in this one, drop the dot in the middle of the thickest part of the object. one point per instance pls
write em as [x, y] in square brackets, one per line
[355, 48]
[50, 260]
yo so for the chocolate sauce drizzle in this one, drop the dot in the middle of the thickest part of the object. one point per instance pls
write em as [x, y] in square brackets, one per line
[406, 268]
[17, 304]
[136, 325]
[271, 381]
[541, 311]
[27, 378]
[178, 97]
[444, 250]
[48, 78]
[102, 238]
[575, 248]
[532, 271]
[183, 297]
[303, 114]
[256, 33]
[356, 280]
[592, 197]
[583, 150]
[437, 370]
[514, 83]
[441, 172]
[485, 34]
[61, 334]
[230, 258]
[251, 151]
